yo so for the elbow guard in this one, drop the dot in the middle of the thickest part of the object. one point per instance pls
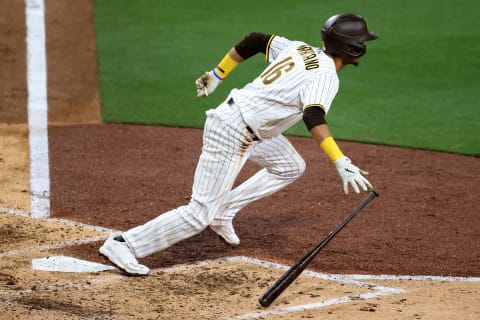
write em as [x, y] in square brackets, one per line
[252, 44]
[313, 116]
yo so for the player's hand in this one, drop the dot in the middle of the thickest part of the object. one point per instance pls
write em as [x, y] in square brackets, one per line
[353, 175]
[206, 84]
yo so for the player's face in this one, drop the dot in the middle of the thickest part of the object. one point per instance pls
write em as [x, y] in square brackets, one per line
[351, 60]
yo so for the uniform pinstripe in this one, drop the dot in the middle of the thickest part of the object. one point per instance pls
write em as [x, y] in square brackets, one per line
[297, 77]
[271, 109]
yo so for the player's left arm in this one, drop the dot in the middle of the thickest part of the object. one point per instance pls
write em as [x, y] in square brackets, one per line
[249, 46]
[314, 118]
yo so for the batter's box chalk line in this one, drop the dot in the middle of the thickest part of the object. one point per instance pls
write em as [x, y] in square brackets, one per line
[344, 279]
[69, 264]
[352, 279]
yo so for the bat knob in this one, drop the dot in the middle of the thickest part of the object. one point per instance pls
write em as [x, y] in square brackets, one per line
[263, 302]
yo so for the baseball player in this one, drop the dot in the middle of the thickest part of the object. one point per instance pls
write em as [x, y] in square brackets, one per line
[299, 82]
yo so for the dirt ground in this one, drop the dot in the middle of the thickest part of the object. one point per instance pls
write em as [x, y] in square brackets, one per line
[425, 222]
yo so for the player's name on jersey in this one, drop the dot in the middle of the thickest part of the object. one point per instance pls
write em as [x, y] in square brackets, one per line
[309, 57]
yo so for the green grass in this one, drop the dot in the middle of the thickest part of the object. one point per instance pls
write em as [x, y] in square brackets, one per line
[416, 87]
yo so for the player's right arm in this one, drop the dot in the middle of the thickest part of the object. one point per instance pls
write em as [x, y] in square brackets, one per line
[249, 46]
[351, 175]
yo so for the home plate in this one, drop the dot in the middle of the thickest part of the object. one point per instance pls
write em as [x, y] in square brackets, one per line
[68, 264]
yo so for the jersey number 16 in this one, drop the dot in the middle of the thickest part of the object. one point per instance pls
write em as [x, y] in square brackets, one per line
[276, 71]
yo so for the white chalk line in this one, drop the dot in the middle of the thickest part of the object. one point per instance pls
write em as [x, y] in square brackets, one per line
[343, 277]
[37, 108]
[58, 220]
[58, 245]
[49, 247]
[415, 278]
[352, 279]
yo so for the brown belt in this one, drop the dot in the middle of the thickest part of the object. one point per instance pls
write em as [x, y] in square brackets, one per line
[254, 136]
[230, 102]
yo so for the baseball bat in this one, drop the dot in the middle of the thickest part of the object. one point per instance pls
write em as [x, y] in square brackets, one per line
[291, 274]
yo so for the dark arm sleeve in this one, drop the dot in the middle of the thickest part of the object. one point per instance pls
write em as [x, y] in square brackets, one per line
[252, 44]
[313, 116]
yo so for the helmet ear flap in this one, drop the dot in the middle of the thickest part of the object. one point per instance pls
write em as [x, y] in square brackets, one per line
[356, 50]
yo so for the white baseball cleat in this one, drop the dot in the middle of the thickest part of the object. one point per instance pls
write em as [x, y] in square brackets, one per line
[227, 233]
[122, 256]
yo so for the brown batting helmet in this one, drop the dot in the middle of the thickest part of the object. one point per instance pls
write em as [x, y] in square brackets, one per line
[344, 35]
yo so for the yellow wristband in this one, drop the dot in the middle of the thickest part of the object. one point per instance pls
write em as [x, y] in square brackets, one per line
[330, 147]
[225, 66]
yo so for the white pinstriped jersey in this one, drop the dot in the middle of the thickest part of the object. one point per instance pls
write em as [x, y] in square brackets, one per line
[297, 77]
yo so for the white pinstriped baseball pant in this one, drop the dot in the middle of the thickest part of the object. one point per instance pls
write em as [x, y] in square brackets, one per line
[227, 144]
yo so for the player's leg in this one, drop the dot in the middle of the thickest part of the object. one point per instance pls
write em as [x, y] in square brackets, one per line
[282, 165]
[224, 152]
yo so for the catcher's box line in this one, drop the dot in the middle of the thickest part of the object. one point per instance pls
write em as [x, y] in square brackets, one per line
[288, 277]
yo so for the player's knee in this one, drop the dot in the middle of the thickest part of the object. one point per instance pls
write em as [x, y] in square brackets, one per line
[292, 170]
[298, 169]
